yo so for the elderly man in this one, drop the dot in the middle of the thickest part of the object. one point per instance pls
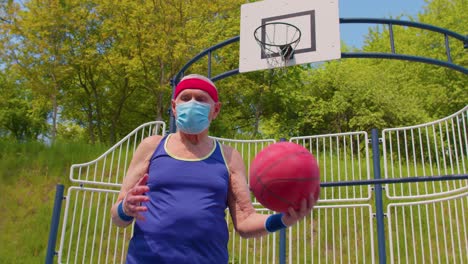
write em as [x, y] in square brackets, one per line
[178, 187]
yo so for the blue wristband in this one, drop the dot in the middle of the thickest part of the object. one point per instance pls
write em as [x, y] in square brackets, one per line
[122, 214]
[274, 223]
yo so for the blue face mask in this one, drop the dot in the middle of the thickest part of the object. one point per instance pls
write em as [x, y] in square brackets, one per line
[192, 117]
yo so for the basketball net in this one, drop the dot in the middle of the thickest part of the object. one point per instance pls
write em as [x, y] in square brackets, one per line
[277, 41]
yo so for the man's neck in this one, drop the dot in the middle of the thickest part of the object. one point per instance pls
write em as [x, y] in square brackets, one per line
[193, 139]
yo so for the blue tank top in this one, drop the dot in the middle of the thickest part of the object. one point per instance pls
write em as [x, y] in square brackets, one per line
[185, 221]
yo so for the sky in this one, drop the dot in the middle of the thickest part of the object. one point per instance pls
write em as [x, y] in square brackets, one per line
[353, 34]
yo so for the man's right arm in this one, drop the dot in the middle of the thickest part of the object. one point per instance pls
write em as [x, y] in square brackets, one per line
[134, 184]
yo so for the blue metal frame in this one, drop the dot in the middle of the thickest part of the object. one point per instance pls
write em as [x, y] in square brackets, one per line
[59, 188]
[375, 140]
[376, 55]
[375, 144]
[378, 197]
[448, 177]
[282, 234]
[403, 23]
[394, 55]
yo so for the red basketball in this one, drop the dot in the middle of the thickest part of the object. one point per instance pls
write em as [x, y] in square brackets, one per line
[283, 174]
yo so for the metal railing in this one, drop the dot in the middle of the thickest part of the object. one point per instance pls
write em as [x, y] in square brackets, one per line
[341, 227]
[358, 219]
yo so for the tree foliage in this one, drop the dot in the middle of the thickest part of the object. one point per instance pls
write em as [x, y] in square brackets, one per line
[100, 68]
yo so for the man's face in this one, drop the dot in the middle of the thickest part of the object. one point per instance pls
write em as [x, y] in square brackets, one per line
[199, 96]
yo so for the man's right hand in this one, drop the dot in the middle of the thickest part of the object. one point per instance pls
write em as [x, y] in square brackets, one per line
[135, 197]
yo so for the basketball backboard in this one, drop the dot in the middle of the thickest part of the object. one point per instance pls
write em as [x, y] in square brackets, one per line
[276, 22]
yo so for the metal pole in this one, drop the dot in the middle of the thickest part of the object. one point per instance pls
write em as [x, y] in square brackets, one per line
[448, 177]
[282, 245]
[209, 64]
[378, 198]
[172, 124]
[282, 251]
[54, 224]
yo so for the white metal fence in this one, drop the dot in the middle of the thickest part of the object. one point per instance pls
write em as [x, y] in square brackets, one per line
[427, 221]
[340, 229]
[88, 235]
[435, 148]
[109, 169]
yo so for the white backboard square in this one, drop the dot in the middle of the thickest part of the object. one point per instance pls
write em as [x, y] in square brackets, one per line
[317, 20]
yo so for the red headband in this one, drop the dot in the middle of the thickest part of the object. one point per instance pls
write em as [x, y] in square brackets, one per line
[194, 83]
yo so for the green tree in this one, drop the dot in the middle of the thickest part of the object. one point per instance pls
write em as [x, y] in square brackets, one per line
[35, 44]
[20, 117]
[107, 65]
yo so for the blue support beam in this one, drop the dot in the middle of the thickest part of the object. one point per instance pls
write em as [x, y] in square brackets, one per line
[375, 141]
[378, 198]
[54, 225]
[450, 177]
[282, 245]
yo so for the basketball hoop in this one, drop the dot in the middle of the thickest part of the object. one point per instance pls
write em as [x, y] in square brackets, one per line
[278, 41]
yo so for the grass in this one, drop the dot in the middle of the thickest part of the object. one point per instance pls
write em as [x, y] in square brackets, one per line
[29, 173]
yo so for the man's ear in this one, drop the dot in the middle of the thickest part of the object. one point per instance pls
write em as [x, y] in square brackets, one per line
[173, 106]
[217, 109]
